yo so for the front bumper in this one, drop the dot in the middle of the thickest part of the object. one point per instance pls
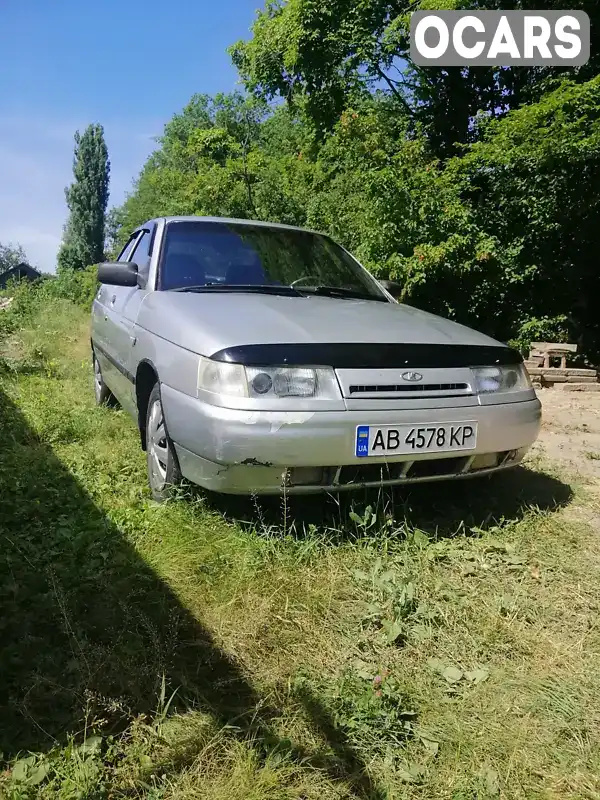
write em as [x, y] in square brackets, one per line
[249, 452]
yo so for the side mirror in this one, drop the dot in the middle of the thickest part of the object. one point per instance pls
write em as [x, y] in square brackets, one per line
[395, 289]
[118, 273]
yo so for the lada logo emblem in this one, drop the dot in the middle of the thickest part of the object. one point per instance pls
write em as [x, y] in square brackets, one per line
[413, 377]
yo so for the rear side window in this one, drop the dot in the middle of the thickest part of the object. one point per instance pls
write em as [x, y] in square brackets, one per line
[125, 253]
[141, 254]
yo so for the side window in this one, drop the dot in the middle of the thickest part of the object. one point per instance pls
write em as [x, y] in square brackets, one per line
[141, 254]
[125, 253]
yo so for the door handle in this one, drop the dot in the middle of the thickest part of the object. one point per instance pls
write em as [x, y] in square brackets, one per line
[113, 299]
[105, 318]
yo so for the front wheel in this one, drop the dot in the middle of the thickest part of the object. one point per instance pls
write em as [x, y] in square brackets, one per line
[163, 469]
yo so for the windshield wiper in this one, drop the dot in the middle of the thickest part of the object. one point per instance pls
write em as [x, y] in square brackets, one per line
[339, 291]
[287, 291]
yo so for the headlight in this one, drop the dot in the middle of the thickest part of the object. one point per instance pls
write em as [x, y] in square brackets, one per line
[501, 379]
[235, 380]
[282, 382]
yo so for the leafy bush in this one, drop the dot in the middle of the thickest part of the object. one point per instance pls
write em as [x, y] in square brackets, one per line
[78, 286]
[34, 301]
[546, 329]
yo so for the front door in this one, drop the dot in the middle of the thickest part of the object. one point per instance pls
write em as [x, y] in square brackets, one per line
[123, 309]
[107, 329]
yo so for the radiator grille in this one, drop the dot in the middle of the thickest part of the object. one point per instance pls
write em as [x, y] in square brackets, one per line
[404, 388]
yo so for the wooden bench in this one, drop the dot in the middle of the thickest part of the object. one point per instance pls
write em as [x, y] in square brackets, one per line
[544, 352]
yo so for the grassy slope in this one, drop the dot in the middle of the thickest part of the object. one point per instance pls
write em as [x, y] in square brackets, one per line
[445, 648]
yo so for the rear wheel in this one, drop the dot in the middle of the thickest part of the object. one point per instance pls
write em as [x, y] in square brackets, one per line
[103, 394]
[163, 469]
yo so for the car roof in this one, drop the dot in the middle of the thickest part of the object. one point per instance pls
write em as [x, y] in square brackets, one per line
[232, 220]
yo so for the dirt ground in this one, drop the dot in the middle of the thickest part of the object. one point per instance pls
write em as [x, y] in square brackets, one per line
[571, 431]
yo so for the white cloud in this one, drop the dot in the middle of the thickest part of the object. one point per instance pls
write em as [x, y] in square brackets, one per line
[35, 166]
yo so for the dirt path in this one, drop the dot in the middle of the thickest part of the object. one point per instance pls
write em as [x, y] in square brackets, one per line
[571, 431]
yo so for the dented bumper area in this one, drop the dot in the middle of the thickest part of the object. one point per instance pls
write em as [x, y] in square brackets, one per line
[267, 452]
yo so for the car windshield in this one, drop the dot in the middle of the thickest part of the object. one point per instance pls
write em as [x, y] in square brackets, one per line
[205, 256]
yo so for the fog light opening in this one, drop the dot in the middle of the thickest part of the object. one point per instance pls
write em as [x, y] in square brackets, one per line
[484, 461]
[509, 456]
[305, 476]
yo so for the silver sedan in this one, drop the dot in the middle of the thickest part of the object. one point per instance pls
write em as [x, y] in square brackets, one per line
[261, 359]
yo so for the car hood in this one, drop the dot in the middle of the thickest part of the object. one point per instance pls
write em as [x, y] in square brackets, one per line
[209, 322]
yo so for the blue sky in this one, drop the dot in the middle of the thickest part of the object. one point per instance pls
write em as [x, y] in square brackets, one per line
[129, 65]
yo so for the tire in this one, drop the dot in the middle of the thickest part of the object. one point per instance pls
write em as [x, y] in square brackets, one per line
[163, 470]
[104, 396]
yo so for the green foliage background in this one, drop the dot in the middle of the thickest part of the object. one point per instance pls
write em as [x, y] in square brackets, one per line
[478, 189]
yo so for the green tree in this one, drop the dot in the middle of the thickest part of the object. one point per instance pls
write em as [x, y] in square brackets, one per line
[10, 256]
[87, 198]
[206, 163]
[513, 240]
[323, 56]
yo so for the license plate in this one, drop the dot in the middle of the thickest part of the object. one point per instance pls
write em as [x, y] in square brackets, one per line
[395, 440]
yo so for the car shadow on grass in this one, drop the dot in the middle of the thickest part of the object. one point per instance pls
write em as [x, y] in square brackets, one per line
[440, 508]
[88, 630]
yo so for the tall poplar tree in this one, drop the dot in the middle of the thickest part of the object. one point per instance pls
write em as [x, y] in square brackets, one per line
[87, 198]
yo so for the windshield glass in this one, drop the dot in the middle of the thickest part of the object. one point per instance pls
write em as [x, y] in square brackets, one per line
[198, 254]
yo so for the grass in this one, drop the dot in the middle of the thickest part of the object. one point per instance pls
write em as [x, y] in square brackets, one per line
[437, 643]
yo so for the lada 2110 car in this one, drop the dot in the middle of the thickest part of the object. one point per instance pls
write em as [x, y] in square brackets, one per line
[262, 358]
